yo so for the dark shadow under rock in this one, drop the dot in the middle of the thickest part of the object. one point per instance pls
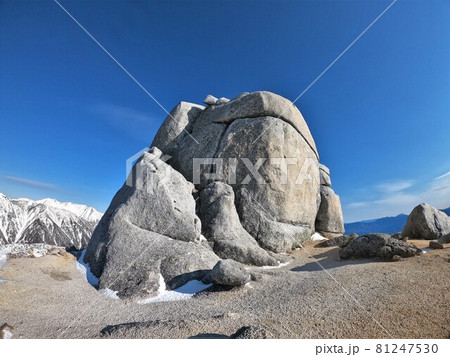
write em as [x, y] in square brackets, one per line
[208, 336]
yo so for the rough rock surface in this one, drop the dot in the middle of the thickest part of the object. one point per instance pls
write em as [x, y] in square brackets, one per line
[176, 126]
[254, 166]
[221, 226]
[261, 125]
[329, 218]
[378, 245]
[149, 229]
[435, 245]
[250, 332]
[340, 241]
[444, 239]
[230, 273]
[426, 222]
[277, 213]
[325, 178]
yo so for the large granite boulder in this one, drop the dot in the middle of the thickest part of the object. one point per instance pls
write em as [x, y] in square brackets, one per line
[426, 222]
[257, 131]
[254, 167]
[150, 221]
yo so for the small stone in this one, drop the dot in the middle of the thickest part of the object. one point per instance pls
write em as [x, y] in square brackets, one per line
[250, 332]
[222, 100]
[435, 245]
[210, 100]
[397, 258]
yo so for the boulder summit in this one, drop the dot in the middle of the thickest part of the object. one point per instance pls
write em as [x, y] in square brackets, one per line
[238, 179]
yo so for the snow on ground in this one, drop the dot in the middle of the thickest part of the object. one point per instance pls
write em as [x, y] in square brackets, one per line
[184, 292]
[109, 293]
[84, 269]
[275, 267]
[3, 253]
[317, 236]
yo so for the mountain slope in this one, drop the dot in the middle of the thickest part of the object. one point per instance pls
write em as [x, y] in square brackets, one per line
[46, 221]
[389, 225]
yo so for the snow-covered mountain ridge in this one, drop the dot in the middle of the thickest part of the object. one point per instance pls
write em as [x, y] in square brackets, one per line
[46, 221]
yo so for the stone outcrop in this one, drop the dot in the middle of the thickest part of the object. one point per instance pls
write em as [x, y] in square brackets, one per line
[176, 126]
[444, 239]
[253, 167]
[340, 241]
[149, 230]
[221, 226]
[329, 220]
[378, 245]
[426, 222]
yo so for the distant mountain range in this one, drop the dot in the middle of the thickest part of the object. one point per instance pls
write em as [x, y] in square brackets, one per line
[46, 221]
[389, 225]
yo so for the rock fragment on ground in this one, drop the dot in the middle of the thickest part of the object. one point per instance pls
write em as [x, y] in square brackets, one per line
[378, 245]
[230, 273]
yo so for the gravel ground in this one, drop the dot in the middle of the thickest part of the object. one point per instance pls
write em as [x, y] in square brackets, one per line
[47, 297]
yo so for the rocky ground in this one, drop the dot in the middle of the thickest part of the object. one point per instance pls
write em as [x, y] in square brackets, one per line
[48, 297]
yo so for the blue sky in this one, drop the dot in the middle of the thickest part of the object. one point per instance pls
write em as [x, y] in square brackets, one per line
[380, 116]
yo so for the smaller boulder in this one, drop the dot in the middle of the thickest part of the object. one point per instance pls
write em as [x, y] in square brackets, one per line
[435, 245]
[329, 218]
[250, 332]
[325, 175]
[341, 241]
[426, 222]
[222, 100]
[230, 273]
[210, 100]
[378, 245]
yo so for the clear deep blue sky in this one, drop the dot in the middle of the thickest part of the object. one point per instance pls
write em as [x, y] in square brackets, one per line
[380, 116]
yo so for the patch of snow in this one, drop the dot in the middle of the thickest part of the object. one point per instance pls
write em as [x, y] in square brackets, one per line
[317, 236]
[280, 265]
[84, 269]
[184, 292]
[109, 293]
[426, 249]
